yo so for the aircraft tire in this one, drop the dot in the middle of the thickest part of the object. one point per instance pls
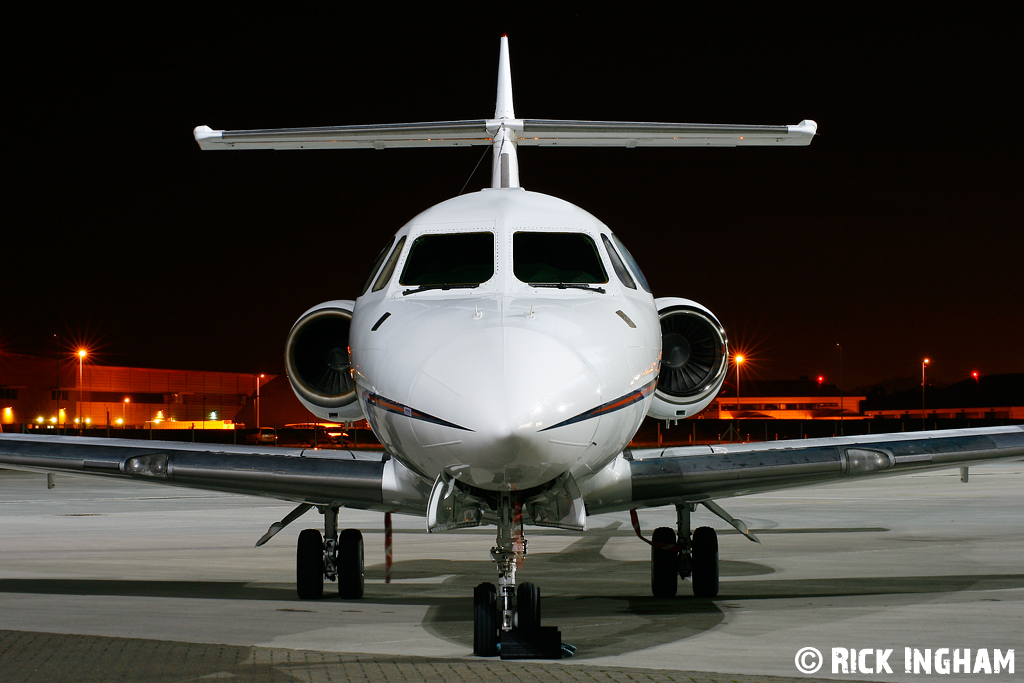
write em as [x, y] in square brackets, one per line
[309, 565]
[664, 563]
[485, 620]
[528, 605]
[705, 562]
[350, 564]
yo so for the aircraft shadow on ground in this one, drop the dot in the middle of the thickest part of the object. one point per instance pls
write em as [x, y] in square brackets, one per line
[601, 605]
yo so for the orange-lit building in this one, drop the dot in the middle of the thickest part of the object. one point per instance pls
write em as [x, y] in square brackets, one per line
[786, 408]
[43, 392]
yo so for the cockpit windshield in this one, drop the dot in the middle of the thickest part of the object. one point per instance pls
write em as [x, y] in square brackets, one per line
[465, 258]
[556, 257]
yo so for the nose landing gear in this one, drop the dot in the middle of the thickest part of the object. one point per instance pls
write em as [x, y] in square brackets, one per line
[505, 617]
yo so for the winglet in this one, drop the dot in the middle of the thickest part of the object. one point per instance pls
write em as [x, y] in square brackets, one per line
[206, 136]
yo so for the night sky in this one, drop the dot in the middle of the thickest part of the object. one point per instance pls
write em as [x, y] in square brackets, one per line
[897, 233]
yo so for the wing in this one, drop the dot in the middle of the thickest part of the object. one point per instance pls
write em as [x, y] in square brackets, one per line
[529, 132]
[665, 476]
[357, 479]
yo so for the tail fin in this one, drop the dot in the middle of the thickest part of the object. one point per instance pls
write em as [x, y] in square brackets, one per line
[504, 126]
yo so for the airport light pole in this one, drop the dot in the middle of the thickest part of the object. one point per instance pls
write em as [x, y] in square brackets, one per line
[924, 364]
[57, 337]
[739, 361]
[82, 353]
[258, 378]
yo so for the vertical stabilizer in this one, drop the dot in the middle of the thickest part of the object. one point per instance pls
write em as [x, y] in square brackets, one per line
[503, 107]
[504, 125]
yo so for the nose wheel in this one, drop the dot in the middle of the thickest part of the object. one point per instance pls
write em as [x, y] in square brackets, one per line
[485, 620]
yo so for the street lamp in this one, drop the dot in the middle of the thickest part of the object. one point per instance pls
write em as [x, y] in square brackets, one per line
[258, 378]
[739, 361]
[123, 406]
[924, 364]
[82, 353]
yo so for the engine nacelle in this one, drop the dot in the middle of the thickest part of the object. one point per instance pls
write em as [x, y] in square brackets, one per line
[318, 364]
[694, 359]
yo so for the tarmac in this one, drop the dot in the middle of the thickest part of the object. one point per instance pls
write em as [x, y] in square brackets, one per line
[109, 580]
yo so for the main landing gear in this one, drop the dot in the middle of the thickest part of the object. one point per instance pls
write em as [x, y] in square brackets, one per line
[506, 614]
[679, 554]
[333, 556]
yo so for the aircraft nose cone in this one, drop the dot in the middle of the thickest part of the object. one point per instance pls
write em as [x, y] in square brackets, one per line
[505, 386]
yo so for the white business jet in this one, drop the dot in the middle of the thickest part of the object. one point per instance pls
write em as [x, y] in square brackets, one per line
[505, 349]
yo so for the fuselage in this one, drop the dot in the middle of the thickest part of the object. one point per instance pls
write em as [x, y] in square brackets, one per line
[537, 355]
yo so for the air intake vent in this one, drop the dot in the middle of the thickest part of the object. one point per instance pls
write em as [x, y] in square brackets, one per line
[317, 358]
[692, 352]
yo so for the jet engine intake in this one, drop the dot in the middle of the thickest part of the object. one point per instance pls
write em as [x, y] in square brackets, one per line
[318, 362]
[694, 359]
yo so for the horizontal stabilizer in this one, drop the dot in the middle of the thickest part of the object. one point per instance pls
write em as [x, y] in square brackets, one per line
[530, 132]
[434, 134]
[626, 134]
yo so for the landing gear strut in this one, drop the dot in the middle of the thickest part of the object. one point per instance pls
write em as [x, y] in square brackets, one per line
[333, 556]
[499, 611]
[678, 553]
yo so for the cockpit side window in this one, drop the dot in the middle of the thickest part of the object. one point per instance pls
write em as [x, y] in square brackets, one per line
[618, 266]
[376, 266]
[551, 257]
[389, 267]
[465, 258]
[633, 265]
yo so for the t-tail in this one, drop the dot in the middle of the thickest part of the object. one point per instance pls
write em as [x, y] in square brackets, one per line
[505, 133]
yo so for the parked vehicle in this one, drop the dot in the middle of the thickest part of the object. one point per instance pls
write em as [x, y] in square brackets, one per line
[266, 436]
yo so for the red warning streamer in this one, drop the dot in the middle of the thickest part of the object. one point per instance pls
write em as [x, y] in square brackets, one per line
[387, 547]
[636, 527]
[517, 535]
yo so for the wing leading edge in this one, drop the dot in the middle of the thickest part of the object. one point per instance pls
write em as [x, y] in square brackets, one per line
[667, 476]
[357, 479]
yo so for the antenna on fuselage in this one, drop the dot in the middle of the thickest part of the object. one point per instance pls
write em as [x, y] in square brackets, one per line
[504, 126]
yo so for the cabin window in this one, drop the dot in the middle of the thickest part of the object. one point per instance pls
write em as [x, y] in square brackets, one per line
[633, 265]
[618, 266]
[552, 257]
[389, 267]
[376, 266]
[465, 258]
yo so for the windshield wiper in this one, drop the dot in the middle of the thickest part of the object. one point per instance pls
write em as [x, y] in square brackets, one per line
[423, 288]
[569, 285]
